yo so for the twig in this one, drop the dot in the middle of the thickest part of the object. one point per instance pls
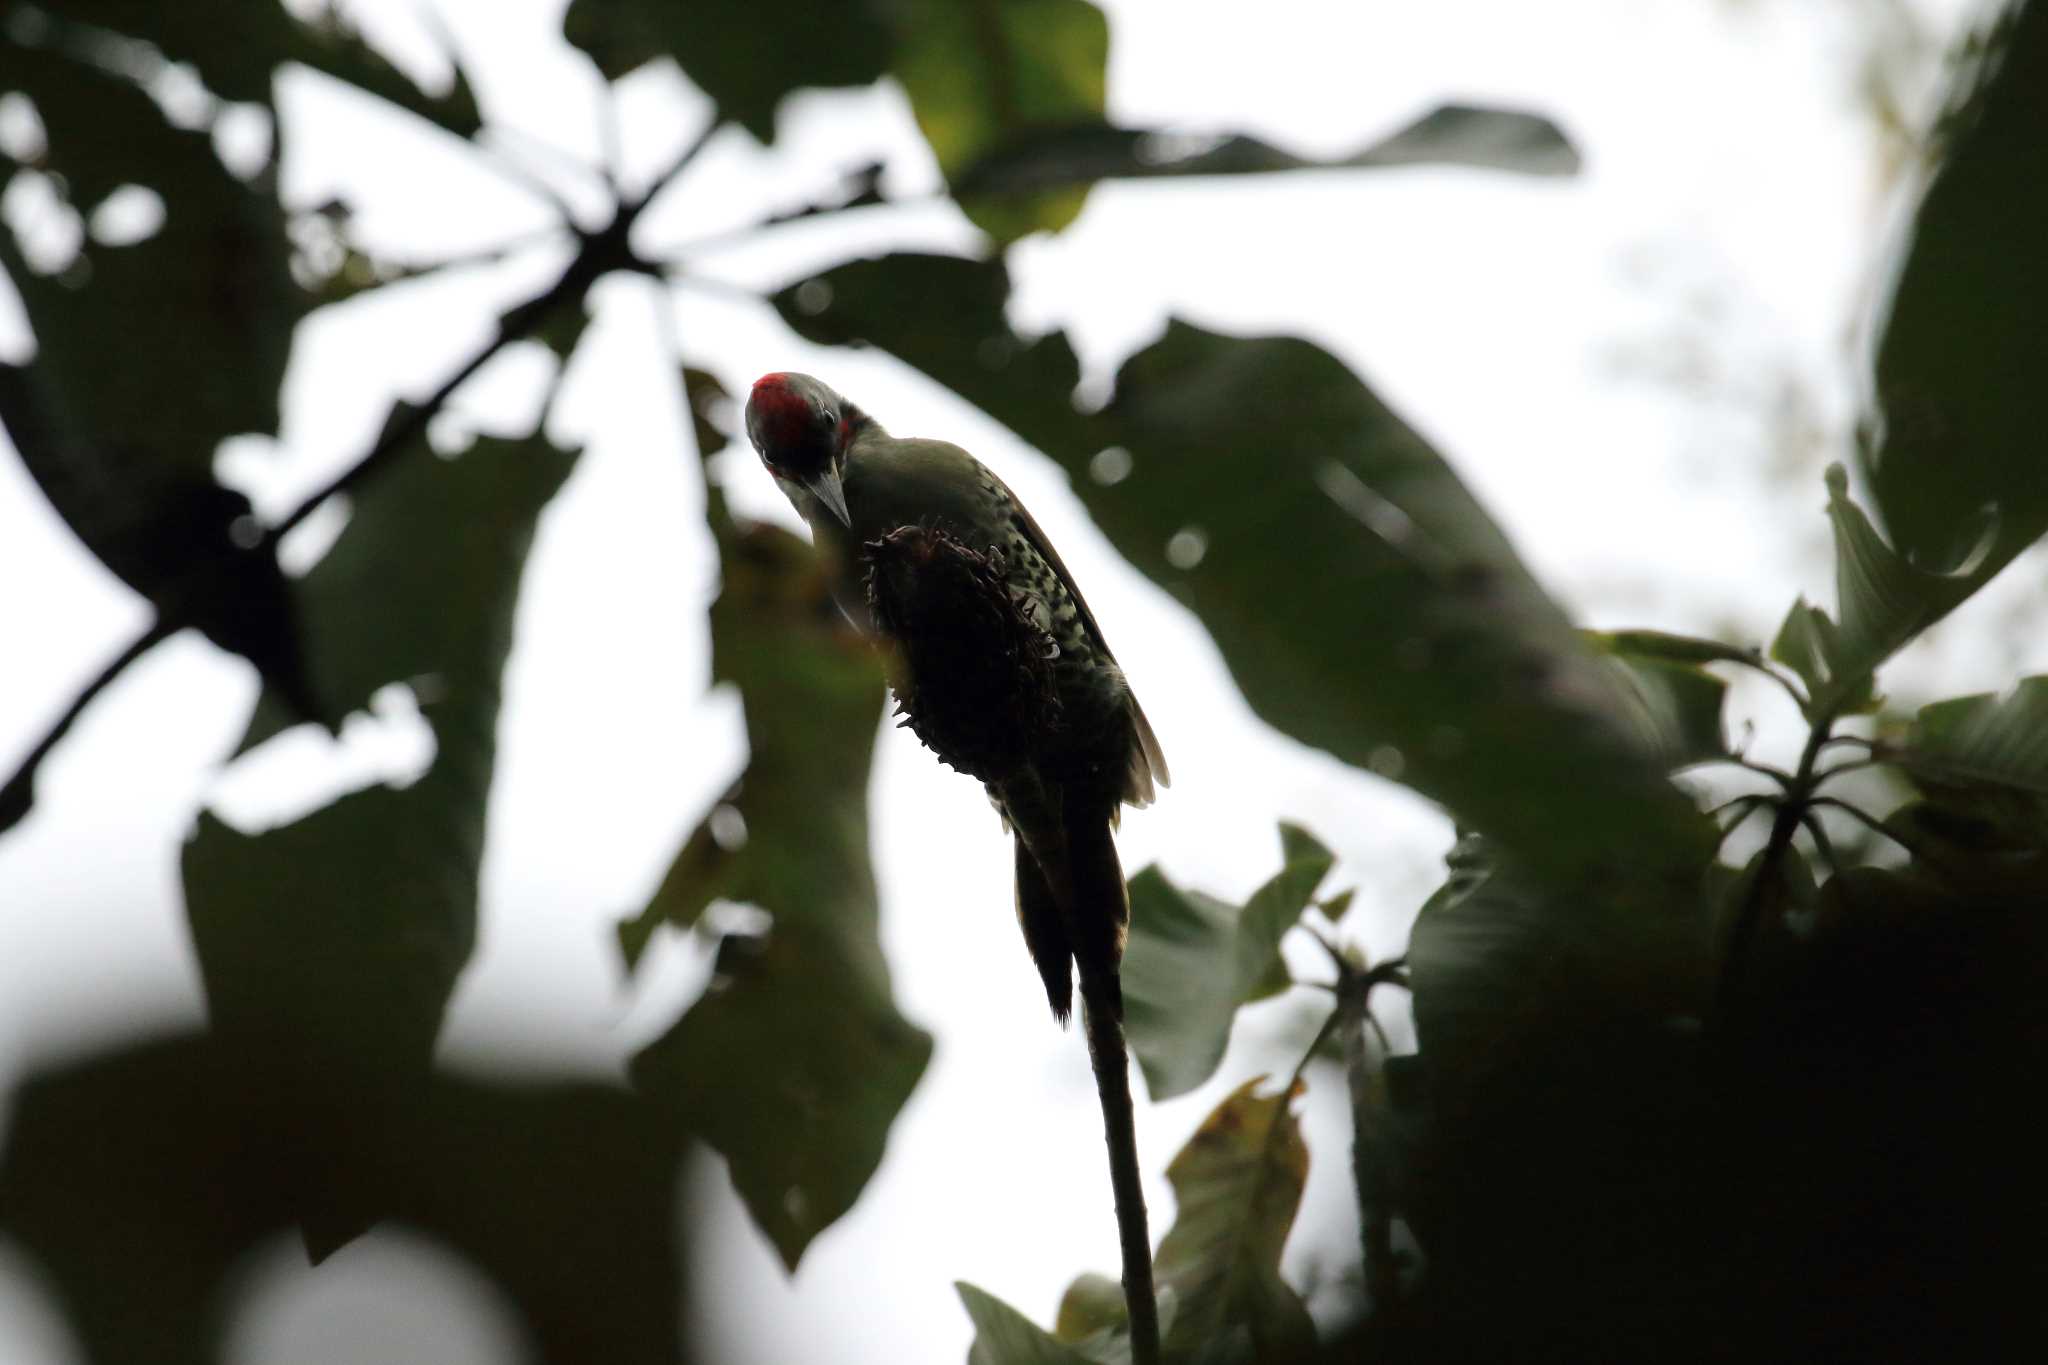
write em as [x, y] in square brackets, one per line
[562, 157]
[1758, 663]
[1369, 1160]
[746, 232]
[1751, 803]
[508, 166]
[1856, 766]
[1869, 821]
[681, 163]
[19, 793]
[1743, 933]
[717, 288]
[611, 138]
[602, 253]
[1776, 774]
[1821, 841]
[404, 272]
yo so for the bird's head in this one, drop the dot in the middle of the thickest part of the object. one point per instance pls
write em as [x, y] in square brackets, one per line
[801, 429]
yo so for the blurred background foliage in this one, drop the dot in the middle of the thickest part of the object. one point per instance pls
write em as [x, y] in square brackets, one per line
[1666, 1103]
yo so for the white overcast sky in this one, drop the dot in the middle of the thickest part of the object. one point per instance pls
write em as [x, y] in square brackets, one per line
[1641, 371]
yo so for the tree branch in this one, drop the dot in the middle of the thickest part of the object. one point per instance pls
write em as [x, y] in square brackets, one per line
[19, 793]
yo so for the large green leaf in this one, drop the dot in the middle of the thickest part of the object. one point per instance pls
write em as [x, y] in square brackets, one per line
[1956, 442]
[1080, 153]
[563, 1194]
[1192, 960]
[793, 1066]
[157, 350]
[1485, 973]
[1504, 969]
[1237, 1183]
[1882, 601]
[744, 54]
[335, 942]
[1982, 763]
[420, 587]
[1364, 601]
[1676, 705]
[984, 74]
[149, 354]
[1999, 740]
[795, 1061]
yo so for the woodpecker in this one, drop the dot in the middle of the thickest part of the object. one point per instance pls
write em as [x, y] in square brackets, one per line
[858, 489]
[1002, 668]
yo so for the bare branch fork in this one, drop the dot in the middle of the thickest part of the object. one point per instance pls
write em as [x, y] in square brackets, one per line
[602, 251]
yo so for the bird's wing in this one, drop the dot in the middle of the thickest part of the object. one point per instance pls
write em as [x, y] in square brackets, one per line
[1147, 760]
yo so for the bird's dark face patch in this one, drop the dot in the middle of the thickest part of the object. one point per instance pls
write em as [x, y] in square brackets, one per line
[795, 423]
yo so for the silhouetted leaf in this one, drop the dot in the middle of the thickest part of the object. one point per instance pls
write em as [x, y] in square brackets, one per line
[980, 75]
[1953, 449]
[745, 54]
[342, 935]
[793, 1068]
[1261, 468]
[794, 1062]
[812, 692]
[1237, 1185]
[149, 354]
[1192, 960]
[420, 586]
[1483, 963]
[189, 1162]
[1678, 705]
[237, 48]
[1083, 152]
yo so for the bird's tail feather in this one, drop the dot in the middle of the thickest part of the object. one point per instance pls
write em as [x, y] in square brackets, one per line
[1045, 933]
[1099, 918]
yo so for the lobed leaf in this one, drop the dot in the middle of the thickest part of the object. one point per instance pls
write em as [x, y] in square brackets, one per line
[792, 1067]
[795, 1061]
[343, 934]
[1237, 1183]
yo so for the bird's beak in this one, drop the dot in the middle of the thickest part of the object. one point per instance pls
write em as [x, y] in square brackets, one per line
[825, 488]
